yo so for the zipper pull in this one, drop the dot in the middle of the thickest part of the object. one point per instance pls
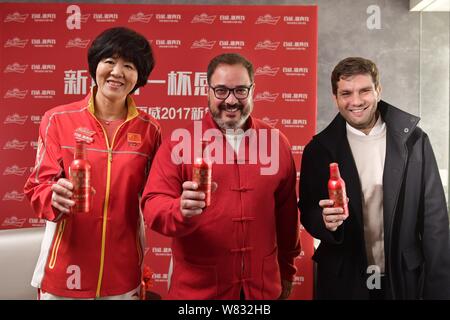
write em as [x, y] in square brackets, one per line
[110, 155]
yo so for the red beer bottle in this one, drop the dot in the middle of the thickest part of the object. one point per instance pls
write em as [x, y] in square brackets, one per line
[202, 174]
[336, 188]
[80, 176]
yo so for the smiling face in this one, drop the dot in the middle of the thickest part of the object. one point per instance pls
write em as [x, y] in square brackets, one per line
[230, 113]
[115, 79]
[356, 99]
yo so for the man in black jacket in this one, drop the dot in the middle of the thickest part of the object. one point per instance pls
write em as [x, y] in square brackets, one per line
[395, 242]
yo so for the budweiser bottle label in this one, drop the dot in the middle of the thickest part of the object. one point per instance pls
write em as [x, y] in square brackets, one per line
[338, 197]
[336, 189]
[81, 180]
[80, 176]
[202, 175]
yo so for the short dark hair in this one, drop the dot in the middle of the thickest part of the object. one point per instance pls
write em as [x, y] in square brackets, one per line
[127, 44]
[354, 66]
[229, 59]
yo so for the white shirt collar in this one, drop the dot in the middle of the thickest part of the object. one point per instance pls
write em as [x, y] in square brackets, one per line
[378, 128]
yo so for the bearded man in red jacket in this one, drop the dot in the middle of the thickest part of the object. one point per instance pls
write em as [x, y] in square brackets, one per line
[243, 245]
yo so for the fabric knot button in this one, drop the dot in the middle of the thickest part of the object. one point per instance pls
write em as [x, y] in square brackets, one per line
[242, 219]
[241, 249]
[241, 280]
[240, 189]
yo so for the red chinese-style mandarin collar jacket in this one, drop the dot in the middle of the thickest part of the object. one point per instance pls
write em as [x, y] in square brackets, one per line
[247, 238]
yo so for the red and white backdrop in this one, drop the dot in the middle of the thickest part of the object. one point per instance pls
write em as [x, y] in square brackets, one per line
[43, 64]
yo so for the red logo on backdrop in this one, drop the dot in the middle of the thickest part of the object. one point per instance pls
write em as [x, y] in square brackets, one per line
[36, 222]
[16, 42]
[43, 43]
[140, 17]
[14, 196]
[266, 71]
[16, 67]
[43, 94]
[296, 71]
[267, 45]
[296, 19]
[169, 44]
[294, 123]
[168, 17]
[203, 18]
[84, 134]
[233, 44]
[43, 68]
[43, 17]
[267, 19]
[294, 96]
[84, 17]
[77, 43]
[16, 119]
[295, 45]
[16, 17]
[203, 44]
[160, 251]
[232, 19]
[105, 17]
[15, 145]
[65, 75]
[13, 222]
[297, 149]
[15, 93]
[266, 96]
[271, 122]
[14, 170]
[36, 119]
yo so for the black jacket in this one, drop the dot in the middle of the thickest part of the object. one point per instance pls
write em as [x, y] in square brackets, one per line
[416, 226]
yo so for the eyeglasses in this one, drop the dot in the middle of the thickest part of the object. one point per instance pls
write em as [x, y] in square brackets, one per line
[240, 92]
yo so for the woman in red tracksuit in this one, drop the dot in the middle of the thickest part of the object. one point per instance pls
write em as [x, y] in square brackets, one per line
[96, 254]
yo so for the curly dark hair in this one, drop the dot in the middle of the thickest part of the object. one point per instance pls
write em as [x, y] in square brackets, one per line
[127, 44]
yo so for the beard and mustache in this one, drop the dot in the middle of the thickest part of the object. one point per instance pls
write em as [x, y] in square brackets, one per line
[226, 107]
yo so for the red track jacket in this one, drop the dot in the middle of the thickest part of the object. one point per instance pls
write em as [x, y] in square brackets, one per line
[98, 253]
